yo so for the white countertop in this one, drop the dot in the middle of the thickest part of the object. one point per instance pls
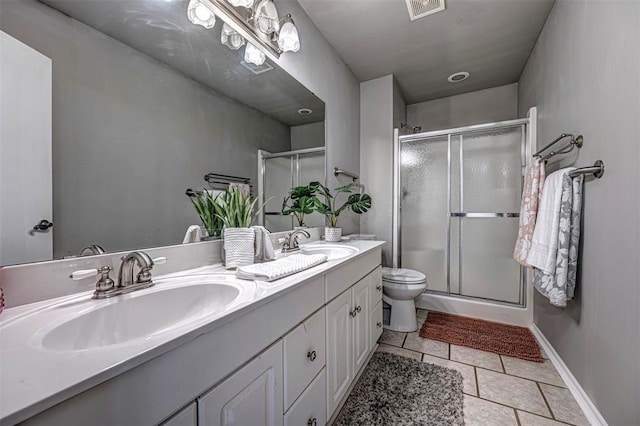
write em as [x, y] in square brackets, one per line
[34, 378]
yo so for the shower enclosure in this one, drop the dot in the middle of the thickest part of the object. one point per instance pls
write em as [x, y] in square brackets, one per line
[457, 198]
[278, 173]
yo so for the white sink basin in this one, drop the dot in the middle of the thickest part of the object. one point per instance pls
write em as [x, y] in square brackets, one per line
[141, 315]
[332, 251]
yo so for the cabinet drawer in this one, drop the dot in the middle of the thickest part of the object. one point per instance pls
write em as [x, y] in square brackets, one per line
[304, 356]
[311, 405]
[375, 283]
[340, 279]
[376, 324]
[188, 416]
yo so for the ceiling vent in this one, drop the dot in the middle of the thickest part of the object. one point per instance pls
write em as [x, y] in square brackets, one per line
[421, 8]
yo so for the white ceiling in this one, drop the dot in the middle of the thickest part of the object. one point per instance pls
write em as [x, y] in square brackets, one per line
[491, 39]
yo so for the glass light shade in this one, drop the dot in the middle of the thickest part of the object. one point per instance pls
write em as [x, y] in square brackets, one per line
[288, 39]
[231, 38]
[253, 55]
[241, 3]
[267, 20]
[199, 14]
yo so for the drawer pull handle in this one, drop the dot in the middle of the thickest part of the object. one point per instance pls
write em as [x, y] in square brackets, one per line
[379, 324]
[312, 355]
[378, 287]
[358, 309]
[353, 313]
[312, 422]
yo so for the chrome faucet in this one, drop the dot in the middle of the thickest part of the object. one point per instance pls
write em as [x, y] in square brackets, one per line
[291, 240]
[125, 275]
[91, 250]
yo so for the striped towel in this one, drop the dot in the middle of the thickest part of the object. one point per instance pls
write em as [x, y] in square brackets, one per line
[280, 268]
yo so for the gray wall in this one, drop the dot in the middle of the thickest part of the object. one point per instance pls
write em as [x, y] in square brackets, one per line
[130, 135]
[321, 70]
[584, 77]
[483, 106]
[307, 136]
[376, 157]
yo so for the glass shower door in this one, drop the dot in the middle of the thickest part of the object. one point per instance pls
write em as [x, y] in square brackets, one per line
[459, 202]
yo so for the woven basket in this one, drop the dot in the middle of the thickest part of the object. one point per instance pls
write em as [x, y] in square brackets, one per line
[238, 245]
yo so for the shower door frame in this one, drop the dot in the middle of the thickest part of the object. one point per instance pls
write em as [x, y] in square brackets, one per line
[524, 123]
[294, 157]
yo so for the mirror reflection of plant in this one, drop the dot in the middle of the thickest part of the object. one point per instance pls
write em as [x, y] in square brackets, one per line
[204, 204]
[300, 201]
[236, 210]
[357, 203]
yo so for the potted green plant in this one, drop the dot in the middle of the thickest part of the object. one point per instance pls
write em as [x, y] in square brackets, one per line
[357, 203]
[300, 201]
[237, 212]
[204, 204]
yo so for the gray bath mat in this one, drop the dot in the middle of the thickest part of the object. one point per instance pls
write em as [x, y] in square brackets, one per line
[395, 390]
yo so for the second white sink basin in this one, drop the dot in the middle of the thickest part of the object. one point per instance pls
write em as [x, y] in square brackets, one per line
[141, 315]
[332, 251]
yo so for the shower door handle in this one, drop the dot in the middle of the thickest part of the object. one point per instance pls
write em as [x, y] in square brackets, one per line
[483, 215]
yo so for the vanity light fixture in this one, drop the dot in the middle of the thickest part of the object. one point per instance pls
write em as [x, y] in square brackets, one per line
[266, 17]
[231, 38]
[254, 55]
[241, 3]
[199, 14]
[288, 39]
[252, 23]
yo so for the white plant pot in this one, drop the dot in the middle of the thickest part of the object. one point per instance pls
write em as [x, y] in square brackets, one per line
[332, 234]
[238, 245]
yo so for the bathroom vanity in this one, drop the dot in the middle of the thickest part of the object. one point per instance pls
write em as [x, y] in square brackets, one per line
[285, 352]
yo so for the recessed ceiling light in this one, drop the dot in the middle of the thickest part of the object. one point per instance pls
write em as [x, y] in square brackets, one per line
[458, 77]
[304, 111]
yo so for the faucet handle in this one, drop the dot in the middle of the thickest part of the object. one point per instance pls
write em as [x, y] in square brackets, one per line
[83, 273]
[159, 260]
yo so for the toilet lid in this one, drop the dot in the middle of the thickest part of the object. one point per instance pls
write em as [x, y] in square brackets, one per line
[401, 275]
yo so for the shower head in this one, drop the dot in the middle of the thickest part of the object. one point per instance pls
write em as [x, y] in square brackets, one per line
[414, 129]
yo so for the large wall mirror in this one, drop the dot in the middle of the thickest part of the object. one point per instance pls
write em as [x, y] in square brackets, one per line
[111, 110]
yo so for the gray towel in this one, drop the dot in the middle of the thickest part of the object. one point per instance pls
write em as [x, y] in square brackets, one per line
[559, 285]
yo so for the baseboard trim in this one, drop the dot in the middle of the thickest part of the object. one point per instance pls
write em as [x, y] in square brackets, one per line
[590, 411]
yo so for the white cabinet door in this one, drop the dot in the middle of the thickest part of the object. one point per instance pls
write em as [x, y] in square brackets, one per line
[361, 320]
[252, 396]
[188, 416]
[25, 153]
[339, 350]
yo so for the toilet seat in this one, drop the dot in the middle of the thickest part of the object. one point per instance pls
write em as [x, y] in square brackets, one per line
[402, 276]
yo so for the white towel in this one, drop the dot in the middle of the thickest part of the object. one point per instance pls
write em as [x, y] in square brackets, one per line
[544, 244]
[193, 235]
[263, 245]
[280, 268]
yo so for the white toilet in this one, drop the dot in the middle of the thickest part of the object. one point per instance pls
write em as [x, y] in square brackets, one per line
[400, 288]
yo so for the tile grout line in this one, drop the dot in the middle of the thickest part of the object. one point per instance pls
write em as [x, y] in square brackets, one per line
[475, 375]
[517, 417]
[504, 370]
[545, 401]
[521, 409]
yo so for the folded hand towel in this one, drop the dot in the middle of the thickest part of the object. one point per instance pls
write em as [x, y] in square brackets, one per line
[531, 194]
[280, 268]
[544, 243]
[559, 285]
[263, 245]
[193, 235]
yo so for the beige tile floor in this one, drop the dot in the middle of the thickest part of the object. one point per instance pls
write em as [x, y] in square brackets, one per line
[498, 390]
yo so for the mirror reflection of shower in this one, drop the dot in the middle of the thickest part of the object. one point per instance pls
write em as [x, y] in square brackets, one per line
[410, 128]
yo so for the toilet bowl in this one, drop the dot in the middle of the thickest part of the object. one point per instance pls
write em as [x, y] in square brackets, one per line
[400, 288]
